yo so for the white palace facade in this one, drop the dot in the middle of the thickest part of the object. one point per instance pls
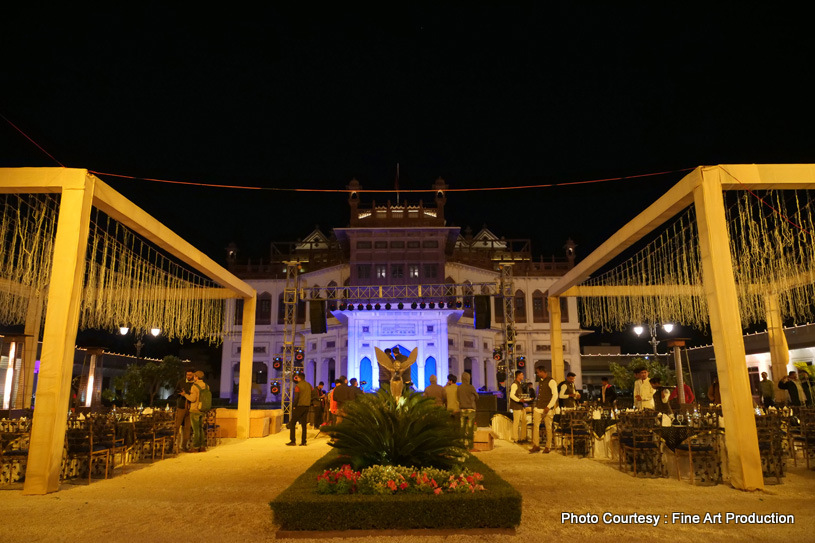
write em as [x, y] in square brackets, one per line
[388, 246]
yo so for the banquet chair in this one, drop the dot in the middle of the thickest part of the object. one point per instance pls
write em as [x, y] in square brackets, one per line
[640, 445]
[770, 445]
[14, 449]
[579, 433]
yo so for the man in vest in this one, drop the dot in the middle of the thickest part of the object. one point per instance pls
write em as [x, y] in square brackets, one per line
[301, 402]
[567, 394]
[518, 408]
[544, 409]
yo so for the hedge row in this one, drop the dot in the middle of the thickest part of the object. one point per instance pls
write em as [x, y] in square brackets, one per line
[299, 507]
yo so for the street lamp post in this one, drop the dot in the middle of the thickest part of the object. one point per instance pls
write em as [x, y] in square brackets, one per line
[668, 327]
[123, 330]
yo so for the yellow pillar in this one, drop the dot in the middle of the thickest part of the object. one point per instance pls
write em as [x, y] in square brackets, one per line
[245, 372]
[725, 326]
[33, 322]
[556, 339]
[59, 338]
[779, 350]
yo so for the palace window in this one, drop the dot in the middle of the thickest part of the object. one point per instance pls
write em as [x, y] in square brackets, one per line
[381, 271]
[413, 271]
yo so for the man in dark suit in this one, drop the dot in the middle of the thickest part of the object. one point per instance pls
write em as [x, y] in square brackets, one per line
[607, 393]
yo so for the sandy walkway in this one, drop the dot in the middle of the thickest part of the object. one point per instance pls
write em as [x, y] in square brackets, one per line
[163, 502]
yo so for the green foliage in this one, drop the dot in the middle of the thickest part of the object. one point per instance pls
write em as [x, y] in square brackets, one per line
[300, 507]
[624, 375]
[141, 382]
[378, 430]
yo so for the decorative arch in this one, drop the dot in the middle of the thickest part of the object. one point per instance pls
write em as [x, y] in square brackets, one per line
[540, 310]
[366, 374]
[429, 369]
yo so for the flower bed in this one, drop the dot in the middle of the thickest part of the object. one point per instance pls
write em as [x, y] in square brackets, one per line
[459, 503]
[397, 479]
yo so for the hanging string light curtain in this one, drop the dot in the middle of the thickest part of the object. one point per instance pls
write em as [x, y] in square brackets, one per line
[670, 261]
[27, 229]
[772, 234]
[773, 253]
[129, 283]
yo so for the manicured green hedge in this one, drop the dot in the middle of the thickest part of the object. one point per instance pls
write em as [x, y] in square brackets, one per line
[299, 507]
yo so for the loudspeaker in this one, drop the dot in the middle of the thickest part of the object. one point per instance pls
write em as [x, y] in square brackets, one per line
[482, 312]
[317, 316]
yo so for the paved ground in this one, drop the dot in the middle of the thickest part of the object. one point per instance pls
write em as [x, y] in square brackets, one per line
[223, 495]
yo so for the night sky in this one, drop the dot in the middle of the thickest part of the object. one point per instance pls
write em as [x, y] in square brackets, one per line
[481, 96]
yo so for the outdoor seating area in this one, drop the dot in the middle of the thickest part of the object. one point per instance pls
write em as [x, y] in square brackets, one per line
[98, 443]
[689, 445]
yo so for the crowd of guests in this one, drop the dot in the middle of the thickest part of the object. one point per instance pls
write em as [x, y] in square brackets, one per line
[460, 399]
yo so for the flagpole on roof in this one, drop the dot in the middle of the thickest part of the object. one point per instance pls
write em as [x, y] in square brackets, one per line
[396, 183]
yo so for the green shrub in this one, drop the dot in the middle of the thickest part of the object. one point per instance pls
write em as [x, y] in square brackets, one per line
[300, 507]
[413, 431]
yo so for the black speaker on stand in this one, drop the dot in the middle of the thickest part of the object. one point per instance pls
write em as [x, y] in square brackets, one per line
[317, 316]
[482, 312]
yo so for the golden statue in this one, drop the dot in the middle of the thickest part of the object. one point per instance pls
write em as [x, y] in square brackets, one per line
[396, 365]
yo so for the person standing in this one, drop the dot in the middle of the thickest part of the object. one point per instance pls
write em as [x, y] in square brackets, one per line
[806, 385]
[301, 402]
[545, 402]
[317, 401]
[435, 391]
[467, 397]
[355, 390]
[607, 393]
[182, 414]
[643, 391]
[451, 393]
[794, 389]
[662, 396]
[518, 406]
[196, 415]
[767, 388]
[342, 394]
[567, 394]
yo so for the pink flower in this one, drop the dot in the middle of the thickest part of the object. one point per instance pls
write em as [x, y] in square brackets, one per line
[437, 491]
[392, 485]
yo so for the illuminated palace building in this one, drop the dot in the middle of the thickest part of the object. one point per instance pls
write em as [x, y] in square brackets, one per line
[399, 276]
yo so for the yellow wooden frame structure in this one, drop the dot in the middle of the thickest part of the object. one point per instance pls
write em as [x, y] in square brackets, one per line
[703, 188]
[81, 191]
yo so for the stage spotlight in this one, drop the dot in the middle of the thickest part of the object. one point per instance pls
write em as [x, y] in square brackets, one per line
[387, 306]
[343, 306]
[414, 305]
[377, 307]
[332, 306]
[298, 355]
[521, 362]
[401, 305]
[277, 363]
[458, 305]
[431, 305]
[360, 307]
[350, 307]
[275, 388]
[422, 305]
